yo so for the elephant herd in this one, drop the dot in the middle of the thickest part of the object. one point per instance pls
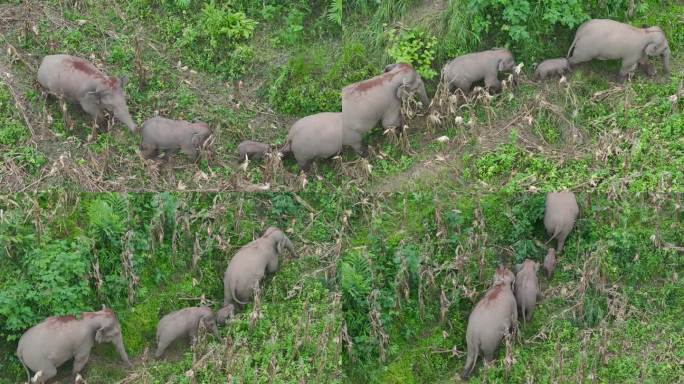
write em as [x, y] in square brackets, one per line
[57, 339]
[364, 103]
[496, 314]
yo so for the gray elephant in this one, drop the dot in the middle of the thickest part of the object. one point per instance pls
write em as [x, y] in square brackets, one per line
[249, 265]
[252, 150]
[494, 316]
[463, 71]
[54, 341]
[159, 133]
[559, 216]
[78, 80]
[225, 313]
[526, 287]
[184, 323]
[550, 262]
[313, 137]
[550, 67]
[611, 40]
[368, 102]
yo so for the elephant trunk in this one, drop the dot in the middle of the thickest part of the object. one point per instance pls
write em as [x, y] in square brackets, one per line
[125, 117]
[423, 97]
[666, 61]
[290, 247]
[118, 343]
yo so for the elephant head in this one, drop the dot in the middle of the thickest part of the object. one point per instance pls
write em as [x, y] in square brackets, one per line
[655, 44]
[108, 330]
[109, 95]
[505, 60]
[200, 134]
[503, 275]
[209, 323]
[280, 241]
[225, 313]
[409, 83]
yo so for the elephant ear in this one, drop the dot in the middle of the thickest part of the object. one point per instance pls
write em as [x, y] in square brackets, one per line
[389, 68]
[651, 49]
[196, 139]
[280, 246]
[500, 65]
[100, 334]
[95, 95]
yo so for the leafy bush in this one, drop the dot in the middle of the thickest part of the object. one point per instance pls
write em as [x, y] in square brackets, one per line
[416, 47]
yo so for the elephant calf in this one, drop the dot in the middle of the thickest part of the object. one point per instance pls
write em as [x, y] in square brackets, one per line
[526, 288]
[54, 341]
[185, 323]
[559, 216]
[159, 133]
[494, 316]
[550, 67]
[78, 80]
[313, 137]
[550, 262]
[252, 150]
[250, 264]
[611, 40]
[463, 71]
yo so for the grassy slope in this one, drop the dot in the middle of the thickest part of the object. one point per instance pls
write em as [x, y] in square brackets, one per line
[291, 336]
[611, 312]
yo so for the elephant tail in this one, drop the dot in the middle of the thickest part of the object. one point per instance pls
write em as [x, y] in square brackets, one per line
[556, 232]
[28, 373]
[287, 148]
[572, 46]
[234, 296]
[471, 360]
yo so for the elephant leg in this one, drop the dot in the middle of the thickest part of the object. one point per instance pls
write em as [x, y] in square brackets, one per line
[492, 82]
[305, 165]
[392, 119]
[360, 148]
[561, 242]
[628, 66]
[80, 361]
[148, 151]
[489, 357]
[161, 347]
[190, 151]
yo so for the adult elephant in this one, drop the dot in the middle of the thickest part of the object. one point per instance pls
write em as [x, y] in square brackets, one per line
[366, 103]
[51, 343]
[611, 40]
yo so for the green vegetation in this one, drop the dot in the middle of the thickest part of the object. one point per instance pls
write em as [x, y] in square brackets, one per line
[145, 255]
[395, 249]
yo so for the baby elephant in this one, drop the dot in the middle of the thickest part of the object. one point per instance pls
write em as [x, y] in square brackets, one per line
[551, 67]
[183, 323]
[313, 137]
[526, 288]
[494, 316]
[559, 216]
[159, 133]
[250, 264]
[465, 70]
[80, 81]
[252, 150]
[550, 263]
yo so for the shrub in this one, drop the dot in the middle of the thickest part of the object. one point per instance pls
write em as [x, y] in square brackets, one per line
[416, 47]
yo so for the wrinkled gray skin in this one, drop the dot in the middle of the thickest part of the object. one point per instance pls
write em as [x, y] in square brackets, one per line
[78, 80]
[550, 262]
[526, 288]
[559, 216]
[159, 133]
[463, 71]
[368, 102]
[252, 150]
[611, 40]
[51, 343]
[250, 264]
[184, 323]
[551, 67]
[225, 313]
[313, 137]
[494, 316]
